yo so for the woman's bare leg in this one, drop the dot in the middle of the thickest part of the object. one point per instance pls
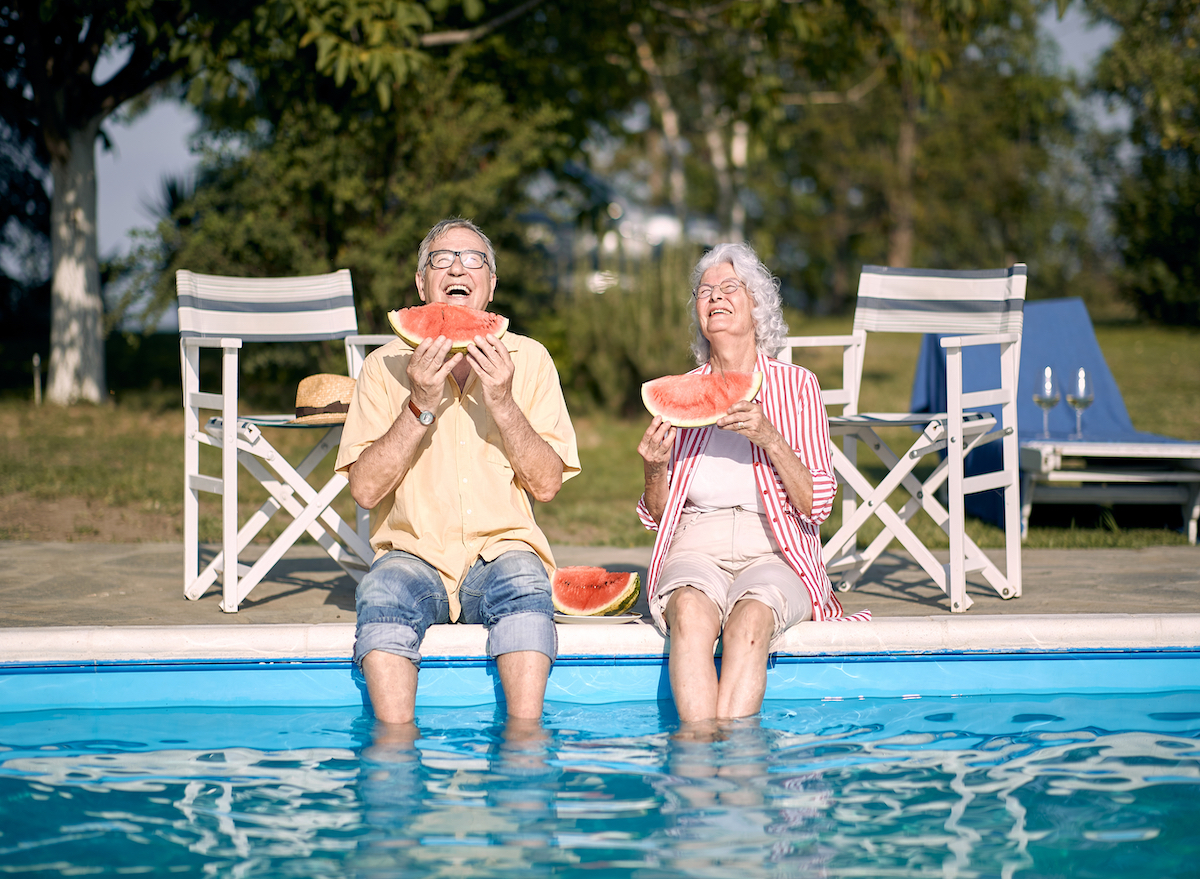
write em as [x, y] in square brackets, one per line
[744, 651]
[694, 624]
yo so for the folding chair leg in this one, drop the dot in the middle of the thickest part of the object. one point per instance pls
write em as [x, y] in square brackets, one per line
[1191, 512]
[282, 543]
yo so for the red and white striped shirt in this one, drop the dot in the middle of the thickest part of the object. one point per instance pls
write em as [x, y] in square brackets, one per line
[791, 400]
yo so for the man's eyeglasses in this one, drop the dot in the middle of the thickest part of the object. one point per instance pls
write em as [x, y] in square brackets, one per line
[728, 287]
[470, 259]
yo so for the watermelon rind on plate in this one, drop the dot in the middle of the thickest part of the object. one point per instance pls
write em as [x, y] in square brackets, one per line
[697, 400]
[582, 590]
[457, 323]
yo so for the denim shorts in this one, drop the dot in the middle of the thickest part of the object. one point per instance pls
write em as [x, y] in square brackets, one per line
[403, 595]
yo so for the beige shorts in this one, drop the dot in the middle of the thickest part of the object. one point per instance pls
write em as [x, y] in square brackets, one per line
[729, 555]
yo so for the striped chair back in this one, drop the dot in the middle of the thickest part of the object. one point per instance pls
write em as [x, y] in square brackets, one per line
[266, 309]
[939, 301]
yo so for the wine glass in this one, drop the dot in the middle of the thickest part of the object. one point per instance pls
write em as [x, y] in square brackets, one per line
[1046, 396]
[1080, 394]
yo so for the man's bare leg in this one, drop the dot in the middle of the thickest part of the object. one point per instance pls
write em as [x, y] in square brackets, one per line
[744, 651]
[392, 686]
[523, 676]
[694, 624]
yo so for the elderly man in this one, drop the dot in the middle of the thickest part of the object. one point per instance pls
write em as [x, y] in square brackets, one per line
[446, 450]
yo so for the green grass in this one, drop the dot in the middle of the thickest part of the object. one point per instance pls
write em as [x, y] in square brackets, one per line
[125, 461]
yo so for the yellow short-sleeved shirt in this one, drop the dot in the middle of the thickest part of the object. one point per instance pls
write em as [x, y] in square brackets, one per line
[460, 499]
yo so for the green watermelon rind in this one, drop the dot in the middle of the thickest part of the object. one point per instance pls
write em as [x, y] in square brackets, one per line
[698, 421]
[620, 604]
[396, 319]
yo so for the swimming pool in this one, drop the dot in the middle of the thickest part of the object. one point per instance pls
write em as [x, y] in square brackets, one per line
[914, 748]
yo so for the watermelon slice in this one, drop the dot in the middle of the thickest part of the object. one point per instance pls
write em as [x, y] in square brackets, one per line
[457, 323]
[586, 591]
[697, 400]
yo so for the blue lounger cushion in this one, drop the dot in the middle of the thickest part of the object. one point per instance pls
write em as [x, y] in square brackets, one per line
[1058, 333]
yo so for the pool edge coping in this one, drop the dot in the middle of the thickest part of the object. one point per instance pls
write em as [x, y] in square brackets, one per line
[1010, 633]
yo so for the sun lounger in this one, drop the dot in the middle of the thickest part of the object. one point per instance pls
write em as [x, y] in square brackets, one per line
[1110, 463]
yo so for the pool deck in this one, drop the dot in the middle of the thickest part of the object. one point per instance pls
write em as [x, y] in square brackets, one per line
[92, 601]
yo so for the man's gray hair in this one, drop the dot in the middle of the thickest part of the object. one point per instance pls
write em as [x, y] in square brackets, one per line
[441, 228]
[770, 329]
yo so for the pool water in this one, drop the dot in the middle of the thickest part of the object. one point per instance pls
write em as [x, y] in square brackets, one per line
[972, 786]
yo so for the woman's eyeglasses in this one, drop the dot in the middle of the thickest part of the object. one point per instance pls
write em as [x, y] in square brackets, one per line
[470, 259]
[728, 287]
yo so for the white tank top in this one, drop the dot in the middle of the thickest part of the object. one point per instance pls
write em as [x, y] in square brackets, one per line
[724, 477]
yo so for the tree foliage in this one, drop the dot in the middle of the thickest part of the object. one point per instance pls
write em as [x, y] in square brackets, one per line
[1153, 70]
[50, 50]
[327, 189]
[884, 131]
[927, 132]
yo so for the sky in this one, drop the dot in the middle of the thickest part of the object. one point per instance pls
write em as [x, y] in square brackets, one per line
[155, 145]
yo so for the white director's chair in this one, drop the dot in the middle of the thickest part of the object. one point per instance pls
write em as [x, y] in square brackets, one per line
[221, 313]
[984, 308]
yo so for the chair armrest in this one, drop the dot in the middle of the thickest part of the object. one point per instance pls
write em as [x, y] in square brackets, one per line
[371, 339]
[356, 350]
[210, 342]
[821, 341]
[981, 339]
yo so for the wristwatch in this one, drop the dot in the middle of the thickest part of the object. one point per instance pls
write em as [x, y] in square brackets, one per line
[426, 417]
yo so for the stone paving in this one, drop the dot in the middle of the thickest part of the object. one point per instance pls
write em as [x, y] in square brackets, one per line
[94, 584]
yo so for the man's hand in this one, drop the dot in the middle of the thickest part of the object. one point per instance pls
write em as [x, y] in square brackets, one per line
[537, 466]
[383, 464]
[492, 363]
[427, 371]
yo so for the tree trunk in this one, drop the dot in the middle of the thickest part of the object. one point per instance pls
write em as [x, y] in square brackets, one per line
[677, 183]
[715, 140]
[900, 237]
[76, 308]
[739, 150]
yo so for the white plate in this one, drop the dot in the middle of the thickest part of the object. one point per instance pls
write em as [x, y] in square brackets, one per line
[575, 618]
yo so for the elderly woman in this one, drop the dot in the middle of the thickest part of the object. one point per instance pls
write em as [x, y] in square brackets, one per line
[737, 505]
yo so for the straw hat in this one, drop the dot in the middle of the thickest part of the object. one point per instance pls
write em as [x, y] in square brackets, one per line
[323, 399]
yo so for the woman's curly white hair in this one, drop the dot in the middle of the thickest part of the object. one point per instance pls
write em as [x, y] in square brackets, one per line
[770, 329]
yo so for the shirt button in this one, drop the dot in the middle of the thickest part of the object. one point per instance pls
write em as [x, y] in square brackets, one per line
[464, 479]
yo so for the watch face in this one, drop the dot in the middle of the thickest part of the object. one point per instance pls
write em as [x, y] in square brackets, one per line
[426, 418]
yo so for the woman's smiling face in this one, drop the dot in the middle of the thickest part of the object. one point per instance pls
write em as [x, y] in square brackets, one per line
[721, 312]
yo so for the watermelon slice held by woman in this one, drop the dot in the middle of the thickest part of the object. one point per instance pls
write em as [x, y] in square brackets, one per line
[698, 400]
[738, 479]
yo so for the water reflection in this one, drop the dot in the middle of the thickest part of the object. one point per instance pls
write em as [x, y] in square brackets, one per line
[930, 787]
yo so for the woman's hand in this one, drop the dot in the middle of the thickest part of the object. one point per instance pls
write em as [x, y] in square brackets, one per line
[655, 449]
[747, 418]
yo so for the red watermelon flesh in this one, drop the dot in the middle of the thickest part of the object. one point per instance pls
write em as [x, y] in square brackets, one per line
[697, 400]
[457, 323]
[582, 590]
